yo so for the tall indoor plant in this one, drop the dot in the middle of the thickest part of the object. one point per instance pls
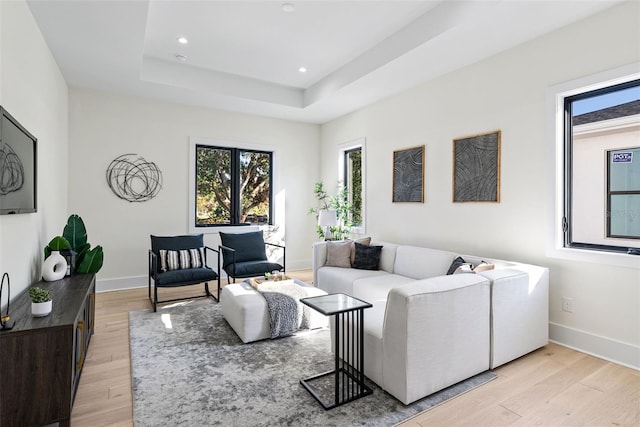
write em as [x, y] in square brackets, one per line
[338, 203]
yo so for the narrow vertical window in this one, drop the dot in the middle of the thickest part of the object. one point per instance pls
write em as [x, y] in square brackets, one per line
[353, 183]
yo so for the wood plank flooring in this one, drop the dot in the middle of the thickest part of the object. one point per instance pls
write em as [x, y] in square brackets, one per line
[553, 386]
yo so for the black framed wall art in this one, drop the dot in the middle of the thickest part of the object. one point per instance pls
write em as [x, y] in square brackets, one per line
[408, 175]
[476, 168]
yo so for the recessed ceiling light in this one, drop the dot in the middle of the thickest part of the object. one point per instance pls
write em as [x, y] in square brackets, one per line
[182, 40]
[181, 58]
[302, 69]
[288, 7]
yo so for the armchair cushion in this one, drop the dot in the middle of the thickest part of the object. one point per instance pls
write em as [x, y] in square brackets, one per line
[176, 243]
[183, 277]
[252, 268]
[248, 247]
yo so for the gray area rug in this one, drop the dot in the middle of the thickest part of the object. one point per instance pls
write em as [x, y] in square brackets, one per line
[189, 368]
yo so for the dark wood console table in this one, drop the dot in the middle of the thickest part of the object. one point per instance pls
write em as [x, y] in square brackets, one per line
[41, 358]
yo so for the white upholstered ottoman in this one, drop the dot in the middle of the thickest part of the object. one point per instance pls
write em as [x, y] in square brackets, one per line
[246, 310]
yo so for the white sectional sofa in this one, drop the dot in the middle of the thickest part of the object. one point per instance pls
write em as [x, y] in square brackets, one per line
[428, 330]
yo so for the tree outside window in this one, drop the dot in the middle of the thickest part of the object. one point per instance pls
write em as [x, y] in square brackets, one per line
[353, 183]
[233, 186]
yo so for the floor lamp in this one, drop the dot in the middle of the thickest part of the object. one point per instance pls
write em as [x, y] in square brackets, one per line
[327, 218]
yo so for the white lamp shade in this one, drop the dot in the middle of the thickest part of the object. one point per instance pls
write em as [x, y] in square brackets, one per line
[327, 218]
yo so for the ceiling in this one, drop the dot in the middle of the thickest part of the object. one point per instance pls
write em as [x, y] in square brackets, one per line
[245, 56]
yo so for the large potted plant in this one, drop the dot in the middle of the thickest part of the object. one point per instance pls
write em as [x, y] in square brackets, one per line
[41, 303]
[74, 238]
[340, 204]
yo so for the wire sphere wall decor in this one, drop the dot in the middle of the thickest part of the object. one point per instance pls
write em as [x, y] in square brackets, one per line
[12, 171]
[134, 179]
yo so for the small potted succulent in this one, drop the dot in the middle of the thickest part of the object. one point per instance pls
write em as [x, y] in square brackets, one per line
[41, 303]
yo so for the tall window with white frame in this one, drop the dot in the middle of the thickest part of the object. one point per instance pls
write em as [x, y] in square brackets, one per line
[233, 186]
[602, 169]
[352, 175]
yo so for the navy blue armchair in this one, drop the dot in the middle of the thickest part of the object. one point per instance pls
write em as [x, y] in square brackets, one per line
[245, 255]
[180, 261]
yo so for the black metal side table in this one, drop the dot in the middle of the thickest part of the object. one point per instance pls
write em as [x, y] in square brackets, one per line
[348, 373]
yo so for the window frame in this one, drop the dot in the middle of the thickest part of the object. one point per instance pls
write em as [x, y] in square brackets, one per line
[556, 94]
[235, 148]
[568, 168]
[611, 193]
[343, 149]
[345, 175]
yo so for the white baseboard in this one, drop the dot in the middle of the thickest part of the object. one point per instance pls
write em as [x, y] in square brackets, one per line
[605, 348]
[121, 284]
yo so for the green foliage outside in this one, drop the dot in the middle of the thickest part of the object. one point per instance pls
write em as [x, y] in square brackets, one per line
[355, 182]
[214, 184]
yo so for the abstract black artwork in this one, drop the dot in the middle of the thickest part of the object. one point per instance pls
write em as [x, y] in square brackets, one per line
[408, 175]
[476, 168]
[134, 179]
[12, 176]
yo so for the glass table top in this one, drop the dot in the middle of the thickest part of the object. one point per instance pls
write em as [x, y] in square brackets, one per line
[334, 303]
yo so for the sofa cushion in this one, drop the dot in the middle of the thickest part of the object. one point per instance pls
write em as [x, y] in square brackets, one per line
[339, 254]
[363, 241]
[422, 263]
[388, 255]
[378, 287]
[367, 257]
[340, 280]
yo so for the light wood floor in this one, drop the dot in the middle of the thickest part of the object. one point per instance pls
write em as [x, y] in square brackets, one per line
[550, 387]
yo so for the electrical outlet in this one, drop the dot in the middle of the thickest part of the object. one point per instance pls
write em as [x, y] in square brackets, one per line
[567, 304]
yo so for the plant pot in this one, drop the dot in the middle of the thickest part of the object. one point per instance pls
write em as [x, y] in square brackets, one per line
[41, 309]
[54, 267]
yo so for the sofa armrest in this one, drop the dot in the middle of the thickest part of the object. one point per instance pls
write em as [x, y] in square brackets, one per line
[319, 258]
[435, 334]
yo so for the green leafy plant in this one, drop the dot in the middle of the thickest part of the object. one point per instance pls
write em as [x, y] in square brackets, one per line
[58, 243]
[340, 204]
[39, 295]
[74, 237]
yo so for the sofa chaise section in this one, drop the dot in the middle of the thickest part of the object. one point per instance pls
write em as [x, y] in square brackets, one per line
[435, 334]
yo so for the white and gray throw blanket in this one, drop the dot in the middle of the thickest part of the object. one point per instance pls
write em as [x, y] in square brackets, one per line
[286, 313]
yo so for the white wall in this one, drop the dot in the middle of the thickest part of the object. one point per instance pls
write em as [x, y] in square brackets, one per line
[506, 92]
[104, 126]
[33, 91]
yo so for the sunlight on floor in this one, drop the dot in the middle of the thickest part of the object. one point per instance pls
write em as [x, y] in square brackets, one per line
[166, 319]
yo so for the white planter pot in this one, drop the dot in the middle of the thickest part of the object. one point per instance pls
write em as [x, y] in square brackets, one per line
[54, 267]
[41, 309]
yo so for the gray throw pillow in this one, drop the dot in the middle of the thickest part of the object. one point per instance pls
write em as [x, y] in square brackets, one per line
[338, 254]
